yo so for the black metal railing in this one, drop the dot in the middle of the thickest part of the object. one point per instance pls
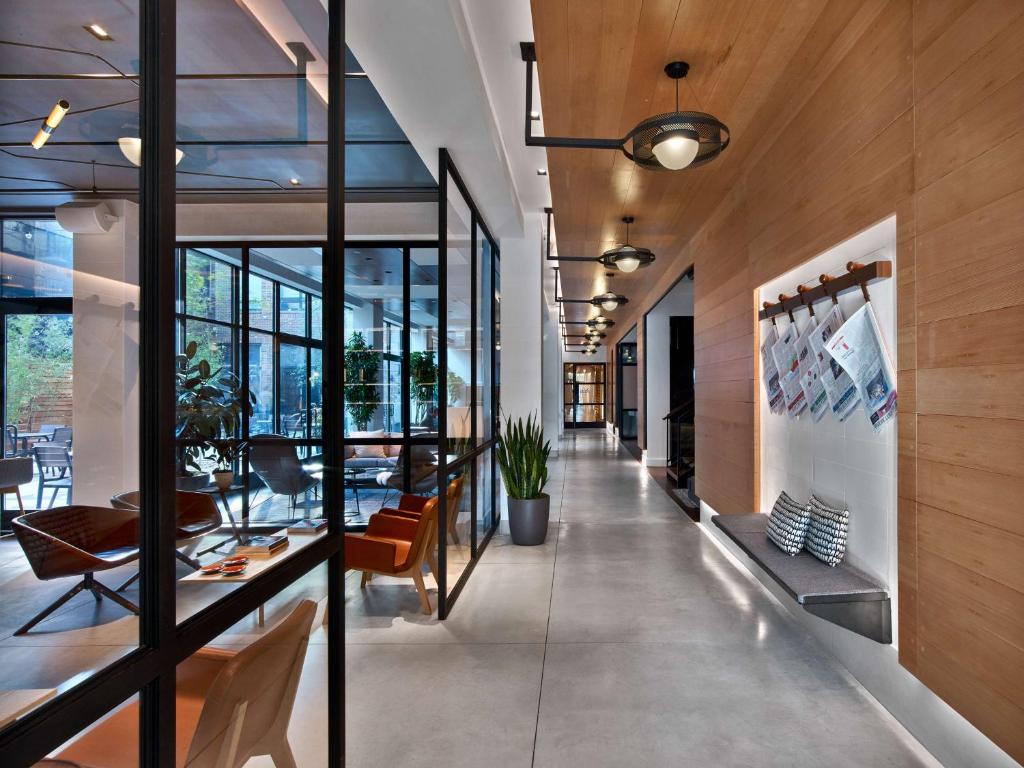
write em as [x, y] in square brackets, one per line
[679, 436]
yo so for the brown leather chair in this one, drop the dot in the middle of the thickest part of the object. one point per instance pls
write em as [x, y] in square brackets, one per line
[409, 505]
[230, 706]
[197, 516]
[396, 545]
[78, 541]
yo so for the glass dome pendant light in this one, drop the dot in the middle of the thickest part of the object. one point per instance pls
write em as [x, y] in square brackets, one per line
[627, 258]
[676, 148]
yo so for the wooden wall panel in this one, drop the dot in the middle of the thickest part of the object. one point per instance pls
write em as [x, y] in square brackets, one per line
[843, 112]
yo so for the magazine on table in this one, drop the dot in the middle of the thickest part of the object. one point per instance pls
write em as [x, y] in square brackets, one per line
[839, 387]
[859, 348]
[787, 361]
[770, 374]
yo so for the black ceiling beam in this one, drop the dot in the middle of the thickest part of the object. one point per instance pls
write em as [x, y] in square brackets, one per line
[192, 76]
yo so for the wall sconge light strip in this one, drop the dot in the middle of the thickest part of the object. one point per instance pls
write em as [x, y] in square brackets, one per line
[50, 123]
[97, 31]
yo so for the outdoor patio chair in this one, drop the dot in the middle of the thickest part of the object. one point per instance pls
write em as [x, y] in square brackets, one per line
[279, 468]
[61, 436]
[11, 442]
[15, 472]
[54, 464]
[230, 706]
[78, 541]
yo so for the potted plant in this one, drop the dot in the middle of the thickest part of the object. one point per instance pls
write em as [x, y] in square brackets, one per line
[423, 381]
[362, 372]
[523, 456]
[226, 452]
[210, 406]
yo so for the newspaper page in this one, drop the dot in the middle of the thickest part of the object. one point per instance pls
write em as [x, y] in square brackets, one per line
[859, 348]
[788, 362]
[839, 387]
[810, 377]
[769, 373]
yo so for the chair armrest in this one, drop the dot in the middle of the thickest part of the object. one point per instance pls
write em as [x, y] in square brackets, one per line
[364, 552]
[389, 527]
[212, 653]
[403, 513]
[412, 503]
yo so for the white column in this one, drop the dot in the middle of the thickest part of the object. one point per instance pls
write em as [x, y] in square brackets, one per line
[105, 404]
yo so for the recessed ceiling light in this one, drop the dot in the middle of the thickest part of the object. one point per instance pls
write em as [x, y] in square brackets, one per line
[98, 32]
[542, 171]
[535, 115]
[294, 182]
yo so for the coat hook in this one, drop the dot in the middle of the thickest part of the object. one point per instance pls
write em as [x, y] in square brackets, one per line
[824, 279]
[766, 306]
[801, 290]
[783, 298]
[853, 266]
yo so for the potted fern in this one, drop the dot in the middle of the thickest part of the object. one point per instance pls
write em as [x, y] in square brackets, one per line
[523, 456]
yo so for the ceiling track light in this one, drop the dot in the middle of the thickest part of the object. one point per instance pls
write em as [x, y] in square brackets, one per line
[98, 32]
[50, 123]
[670, 141]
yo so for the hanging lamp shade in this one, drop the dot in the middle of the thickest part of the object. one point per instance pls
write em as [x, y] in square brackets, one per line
[626, 257]
[609, 302]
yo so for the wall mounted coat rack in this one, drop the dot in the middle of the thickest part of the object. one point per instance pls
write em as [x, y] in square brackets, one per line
[829, 287]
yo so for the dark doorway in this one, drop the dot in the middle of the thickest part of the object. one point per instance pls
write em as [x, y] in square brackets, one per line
[626, 382]
[583, 395]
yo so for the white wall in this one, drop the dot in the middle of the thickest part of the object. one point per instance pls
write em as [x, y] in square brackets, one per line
[105, 359]
[522, 310]
[676, 303]
[552, 393]
[842, 463]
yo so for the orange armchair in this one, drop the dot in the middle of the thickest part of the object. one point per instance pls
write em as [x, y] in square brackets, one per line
[396, 545]
[410, 506]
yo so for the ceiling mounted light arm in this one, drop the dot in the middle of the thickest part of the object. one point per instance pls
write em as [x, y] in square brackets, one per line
[547, 246]
[670, 141]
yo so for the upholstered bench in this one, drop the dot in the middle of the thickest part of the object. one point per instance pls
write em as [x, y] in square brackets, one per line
[842, 595]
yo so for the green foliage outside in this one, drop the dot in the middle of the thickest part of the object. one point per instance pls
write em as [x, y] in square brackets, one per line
[37, 346]
[362, 380]
[423, 383]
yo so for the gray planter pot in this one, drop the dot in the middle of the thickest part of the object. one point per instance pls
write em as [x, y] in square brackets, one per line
[528, 520]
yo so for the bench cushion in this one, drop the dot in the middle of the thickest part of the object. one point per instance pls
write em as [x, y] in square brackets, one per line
[805, 578]
[826, 535]
[787, 524]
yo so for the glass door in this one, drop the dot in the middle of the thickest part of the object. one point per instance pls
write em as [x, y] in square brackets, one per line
[584, 395]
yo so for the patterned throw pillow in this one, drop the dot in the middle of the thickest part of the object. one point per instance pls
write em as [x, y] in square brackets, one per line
[787, 524]
[826, 536]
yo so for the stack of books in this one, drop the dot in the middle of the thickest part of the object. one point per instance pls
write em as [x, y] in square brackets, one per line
[312, 526]
[261, 546]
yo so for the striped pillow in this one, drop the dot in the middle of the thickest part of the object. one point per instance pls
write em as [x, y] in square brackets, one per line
[787, 524]
[826, 535]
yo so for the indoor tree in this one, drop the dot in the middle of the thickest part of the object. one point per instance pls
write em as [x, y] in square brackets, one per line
[362, 376]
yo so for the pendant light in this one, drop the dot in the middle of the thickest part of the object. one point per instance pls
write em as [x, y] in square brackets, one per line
[668, 142]
[50, 123]
[600, 323]
[609, 301]
[627, 258]
[131, 148]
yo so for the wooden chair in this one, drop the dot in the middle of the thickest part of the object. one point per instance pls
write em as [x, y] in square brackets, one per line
[409, 505]
[230, 706]
[396, 545]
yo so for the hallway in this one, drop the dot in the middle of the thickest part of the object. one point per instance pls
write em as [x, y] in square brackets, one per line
[627, 639]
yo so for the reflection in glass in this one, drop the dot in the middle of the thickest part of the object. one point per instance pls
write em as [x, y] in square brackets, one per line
[459, 294]
[36, 259]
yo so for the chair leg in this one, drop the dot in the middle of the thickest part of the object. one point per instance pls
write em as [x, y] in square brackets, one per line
[365, 579]
[422, 589]
[119, 599]
[128, 582]
[53, 498]
[432, 562]
[21, 504]
[52, 607]
[282, 755]
[39, 499]
[189, 561]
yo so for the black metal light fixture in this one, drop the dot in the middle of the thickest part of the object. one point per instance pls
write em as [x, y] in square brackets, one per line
[670, 141]
[609, 301]
[600, 323]
[625, 257]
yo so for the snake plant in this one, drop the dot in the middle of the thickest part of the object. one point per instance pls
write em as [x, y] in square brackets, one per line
[522, 456]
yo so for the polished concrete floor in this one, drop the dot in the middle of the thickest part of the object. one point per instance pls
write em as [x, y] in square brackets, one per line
[627, 639]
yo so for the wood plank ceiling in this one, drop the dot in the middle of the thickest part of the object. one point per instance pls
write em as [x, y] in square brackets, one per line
[601, 72]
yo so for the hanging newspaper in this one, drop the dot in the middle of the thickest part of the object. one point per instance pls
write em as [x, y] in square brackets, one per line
[839, 387]
[788, 362]
[769, 373]
[810, 377]
[859, 348]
